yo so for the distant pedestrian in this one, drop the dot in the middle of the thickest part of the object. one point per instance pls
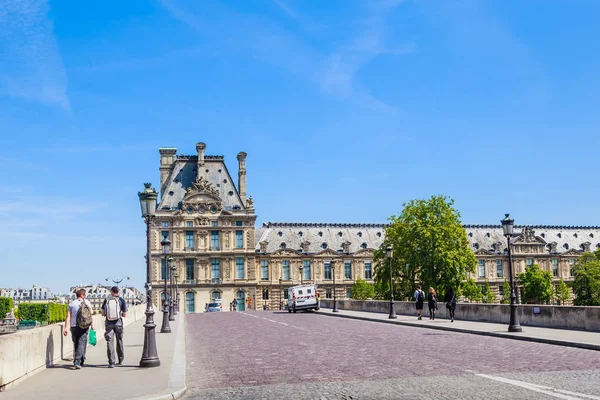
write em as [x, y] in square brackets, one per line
[235, 303]
[114, 309]
[79, 319]
[432, 303]
[419, 299]
[450, 300]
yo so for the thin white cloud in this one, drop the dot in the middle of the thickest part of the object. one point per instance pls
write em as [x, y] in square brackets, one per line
[31, 66]
[334, 74]
[82, 149]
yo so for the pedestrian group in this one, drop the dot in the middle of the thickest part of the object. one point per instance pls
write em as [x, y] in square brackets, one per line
[80, 320]
[432, 300]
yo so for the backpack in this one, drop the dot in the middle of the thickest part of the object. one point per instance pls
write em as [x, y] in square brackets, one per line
[420, 296]
[84, 316]
[113, 309]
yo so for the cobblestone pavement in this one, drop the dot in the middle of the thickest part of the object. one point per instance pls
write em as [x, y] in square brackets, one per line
[268, 355]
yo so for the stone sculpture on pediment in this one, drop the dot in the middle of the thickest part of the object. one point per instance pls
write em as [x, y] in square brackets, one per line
[250, 203]
[202, 221]
[528, 235]
[346, 247]
[202, 185]
[304, 246]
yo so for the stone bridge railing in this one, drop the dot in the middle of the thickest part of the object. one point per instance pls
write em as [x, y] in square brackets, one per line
[561, 317]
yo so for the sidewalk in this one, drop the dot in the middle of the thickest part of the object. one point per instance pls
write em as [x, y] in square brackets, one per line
[96, 381]
[560, 337]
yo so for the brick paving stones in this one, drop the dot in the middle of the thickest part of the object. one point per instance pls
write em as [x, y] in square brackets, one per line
[275, 354]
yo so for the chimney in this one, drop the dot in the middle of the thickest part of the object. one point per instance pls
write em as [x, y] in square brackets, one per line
[167, 157]
[242, 176]
[200, 170]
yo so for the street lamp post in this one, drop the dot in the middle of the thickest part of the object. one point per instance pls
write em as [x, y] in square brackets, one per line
[117, 281]
[280, 294]
[171, 294]
[388, 253]
[507, 227]
[176, 307]
[149, 354]
[335, 307]
[166, 250]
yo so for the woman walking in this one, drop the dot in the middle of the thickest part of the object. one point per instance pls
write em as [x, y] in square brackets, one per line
[450, 300]
[432, 303]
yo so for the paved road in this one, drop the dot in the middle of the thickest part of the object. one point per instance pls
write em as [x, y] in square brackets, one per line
[269, 355]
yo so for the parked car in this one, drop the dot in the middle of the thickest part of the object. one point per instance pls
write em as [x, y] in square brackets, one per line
[214, 307]
[303, 297]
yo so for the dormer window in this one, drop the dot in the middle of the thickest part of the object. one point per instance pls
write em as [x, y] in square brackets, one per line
[574, 235]
[363, 246]
[320, 233]
[324, 245]
[378, 234]
[566, 246]
[282, 245]
[280, 233]
[543, 235]
[488, 234]
[470, 234]
[559, 235]
[476, 246]
[300, 234]
[340, 234]
[359, 234]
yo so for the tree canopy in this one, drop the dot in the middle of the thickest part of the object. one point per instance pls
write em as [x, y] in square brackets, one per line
[537, 285]
[586, 285]
[361, 290]
[562, 294]
[487, 296]
[430, 247]
[471, 291]
[505, 293]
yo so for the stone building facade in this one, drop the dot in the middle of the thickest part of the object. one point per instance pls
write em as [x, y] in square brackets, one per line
[219, 254]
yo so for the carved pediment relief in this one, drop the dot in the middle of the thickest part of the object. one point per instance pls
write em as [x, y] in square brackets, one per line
[571, 252]
[364, 252]
[528, 236]
[483, 252]
[327, 252]
[201, 197]
[286, 252]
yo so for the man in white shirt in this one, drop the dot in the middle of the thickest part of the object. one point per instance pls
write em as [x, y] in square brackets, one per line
[79, 335]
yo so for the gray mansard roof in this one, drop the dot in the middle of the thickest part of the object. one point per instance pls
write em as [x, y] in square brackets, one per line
[486, 237]
[183, 174]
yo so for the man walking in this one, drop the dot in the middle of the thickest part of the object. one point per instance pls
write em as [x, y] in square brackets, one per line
[114, 309]
[79, 319]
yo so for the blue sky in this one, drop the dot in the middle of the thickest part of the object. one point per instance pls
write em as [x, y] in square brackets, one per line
[346, 109]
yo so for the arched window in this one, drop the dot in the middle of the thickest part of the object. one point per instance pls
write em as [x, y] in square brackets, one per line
[190, 305]
[215, 296]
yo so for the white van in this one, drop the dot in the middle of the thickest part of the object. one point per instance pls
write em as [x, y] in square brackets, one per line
[303, 297]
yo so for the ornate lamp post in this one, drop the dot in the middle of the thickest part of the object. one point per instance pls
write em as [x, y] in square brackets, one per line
[176, 298]
[166, 250]
[388, 254]
[335, 307]
[507, 227]
[149, 354]
[171, 294]
[280, 295]
[117, 281]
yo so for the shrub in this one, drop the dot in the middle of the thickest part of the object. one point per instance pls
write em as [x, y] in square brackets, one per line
[6, 306]
[43, 312]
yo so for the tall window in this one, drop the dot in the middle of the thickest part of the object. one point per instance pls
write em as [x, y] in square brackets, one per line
[164, 272]
[499, 272]
[215, 296]
[571, 265]
[348, 270]
[264, 270]
[215, 269]
[189, 302]
[214, 223]
[555, 267]
[239, 239]
[327, 270]
[286, 294]
[306, 270]
[368, 270]
[501, 290]
[348, 293]
[164, 235]
[189, 269]
[189, 239]
[481, 264]
[285, 270]
[239, 268]
[328, 293]
[214, 240]
[265, 294]
[189, 224]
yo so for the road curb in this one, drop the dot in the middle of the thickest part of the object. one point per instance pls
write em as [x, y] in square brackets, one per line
[556, 342]
[178, 374]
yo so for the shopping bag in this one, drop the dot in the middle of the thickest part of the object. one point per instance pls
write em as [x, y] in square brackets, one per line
[92, 337]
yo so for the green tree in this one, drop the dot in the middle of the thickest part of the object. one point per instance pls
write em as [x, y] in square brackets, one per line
[471, 291]
[487, 295]
[537, 285]
[586, 285]
[361, 290]
[429, 245]
[6, 306]
[562, 294]
[506, 293]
